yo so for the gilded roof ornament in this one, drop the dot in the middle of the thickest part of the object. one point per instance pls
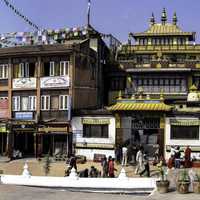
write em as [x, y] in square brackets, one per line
[152, 20]
[164, 16]
[174, 19]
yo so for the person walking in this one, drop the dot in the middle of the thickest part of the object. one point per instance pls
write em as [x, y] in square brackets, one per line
[124, 155]
[146, 166]
[177, 157]
[187, 155]
[104, 165]
[139, 160]
[111, 168]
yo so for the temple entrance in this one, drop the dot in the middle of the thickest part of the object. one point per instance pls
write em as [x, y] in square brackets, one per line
[24, 142]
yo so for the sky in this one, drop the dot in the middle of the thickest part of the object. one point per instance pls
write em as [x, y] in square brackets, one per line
[118, 17]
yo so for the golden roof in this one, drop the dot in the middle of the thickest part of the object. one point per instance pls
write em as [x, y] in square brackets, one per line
[142, 106]
[164, 29]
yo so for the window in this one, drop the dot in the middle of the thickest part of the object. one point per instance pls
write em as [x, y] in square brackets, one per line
[3, 71]
[54, 102]
[95, 131]
[64, 67]
[45, 102]
[184, 132]
[52, 69]
[23, 70]
[24, 103]
[63, 102]
[16, 103]
[32, 102]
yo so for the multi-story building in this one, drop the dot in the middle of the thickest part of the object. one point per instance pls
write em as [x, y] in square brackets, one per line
[42, 81]
[150, 89]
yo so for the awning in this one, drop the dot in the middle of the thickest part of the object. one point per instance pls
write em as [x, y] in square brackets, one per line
[160, 106]
[185, 122]
[63, 130]
[95, 121]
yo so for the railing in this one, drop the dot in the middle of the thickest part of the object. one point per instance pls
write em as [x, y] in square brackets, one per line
[59, 115]
[132, 48]
[3, 82]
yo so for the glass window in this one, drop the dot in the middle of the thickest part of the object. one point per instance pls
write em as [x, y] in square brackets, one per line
[63, 102]
[95, 131]
[52, 69]
[45, 102]
[3, 71]
[16, 103]
[185, 132]
[64, 65]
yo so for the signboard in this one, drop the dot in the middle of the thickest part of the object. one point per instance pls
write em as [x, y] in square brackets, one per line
[96, 121]
[19, 83]
[24, 115]
[54, 82]
[4, 108]
[3, 128]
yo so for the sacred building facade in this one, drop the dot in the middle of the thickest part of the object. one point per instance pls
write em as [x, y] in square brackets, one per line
[154, 91]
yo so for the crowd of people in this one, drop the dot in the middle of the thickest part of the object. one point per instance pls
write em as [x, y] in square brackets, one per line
[177, 159]
[136, 155]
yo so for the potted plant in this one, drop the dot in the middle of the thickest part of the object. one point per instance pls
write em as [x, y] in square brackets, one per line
[183, 182]
[162, 184]
[196, 183]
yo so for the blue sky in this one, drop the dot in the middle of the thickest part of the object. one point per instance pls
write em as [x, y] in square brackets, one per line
[118, 17]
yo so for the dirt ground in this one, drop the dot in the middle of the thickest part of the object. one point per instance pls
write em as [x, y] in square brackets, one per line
[56, 168]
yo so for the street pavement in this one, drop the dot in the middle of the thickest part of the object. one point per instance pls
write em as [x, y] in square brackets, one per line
[10, 192]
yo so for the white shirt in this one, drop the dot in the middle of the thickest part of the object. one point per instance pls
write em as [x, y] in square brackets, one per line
[124, 150]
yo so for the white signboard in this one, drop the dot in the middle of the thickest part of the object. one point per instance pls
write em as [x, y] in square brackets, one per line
[54, 82]
[19, 83]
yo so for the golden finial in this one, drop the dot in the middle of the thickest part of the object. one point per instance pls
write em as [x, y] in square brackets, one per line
[164, 16]
[174, 19]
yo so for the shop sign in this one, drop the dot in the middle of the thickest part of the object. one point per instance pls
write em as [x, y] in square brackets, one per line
[24, 115]
[53, 129]
[54, 82]
[95, 121]
[184, 122]
[3, 128]
[19, 83]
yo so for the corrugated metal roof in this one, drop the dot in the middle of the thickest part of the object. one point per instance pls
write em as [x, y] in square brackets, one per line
[140, 107]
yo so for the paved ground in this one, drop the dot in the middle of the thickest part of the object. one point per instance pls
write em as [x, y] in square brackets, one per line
[8, 192]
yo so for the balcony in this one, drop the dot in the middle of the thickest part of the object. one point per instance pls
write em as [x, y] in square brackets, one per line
[24, 83]
[57, 115]
[55, 82]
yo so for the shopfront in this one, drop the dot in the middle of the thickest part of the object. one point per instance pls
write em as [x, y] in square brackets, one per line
[3, 138]
[54, 141]
[23, 137]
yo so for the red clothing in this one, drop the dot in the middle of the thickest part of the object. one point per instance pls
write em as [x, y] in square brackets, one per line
[111, 169]
[187, 157]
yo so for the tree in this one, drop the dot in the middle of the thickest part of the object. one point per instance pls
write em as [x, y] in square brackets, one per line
[47, 164]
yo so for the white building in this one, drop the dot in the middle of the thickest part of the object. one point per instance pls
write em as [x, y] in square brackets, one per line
[94, 135]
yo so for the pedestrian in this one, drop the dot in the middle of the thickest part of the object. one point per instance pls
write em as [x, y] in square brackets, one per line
[118, 154]
[93, 172]
[72, 162]
[124, 155]
[104, 165]
[146, 166]
[111, 168]
[83, 173]
[177, 157]
[187, 155]
[139, 160]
